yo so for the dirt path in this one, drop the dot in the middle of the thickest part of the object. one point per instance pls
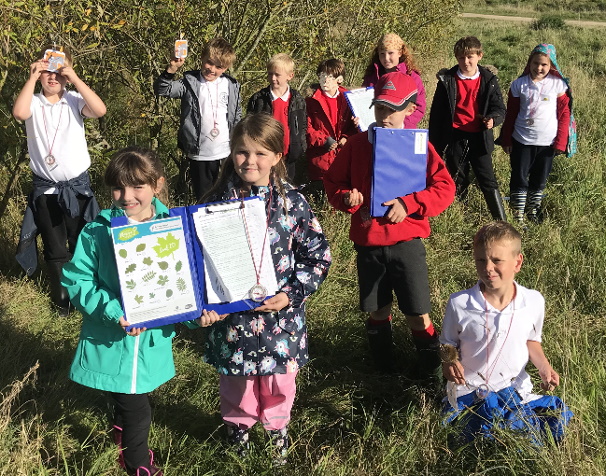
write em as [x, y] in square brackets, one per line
[583, 23]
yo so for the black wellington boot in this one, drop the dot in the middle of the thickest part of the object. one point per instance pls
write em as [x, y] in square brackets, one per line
[380, 341]
[58, 293]
[495, 204]
[430, 362]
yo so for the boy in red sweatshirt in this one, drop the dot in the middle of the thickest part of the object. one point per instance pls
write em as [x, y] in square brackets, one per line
[391, 255]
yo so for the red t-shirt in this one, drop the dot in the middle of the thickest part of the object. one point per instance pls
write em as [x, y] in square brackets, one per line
[280, 112]
[467, 115]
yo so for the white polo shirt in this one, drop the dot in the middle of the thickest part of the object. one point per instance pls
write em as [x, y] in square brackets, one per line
[493, 343]
[537, 121]
[213, 96]
[59, 126]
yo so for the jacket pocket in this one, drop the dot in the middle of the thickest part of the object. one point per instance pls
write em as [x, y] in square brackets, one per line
[101, 357]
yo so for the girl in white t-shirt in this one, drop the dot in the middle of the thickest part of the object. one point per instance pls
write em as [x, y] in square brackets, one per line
[536, 128]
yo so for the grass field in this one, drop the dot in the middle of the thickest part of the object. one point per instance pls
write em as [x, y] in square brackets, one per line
[346, 420]
[569, 9]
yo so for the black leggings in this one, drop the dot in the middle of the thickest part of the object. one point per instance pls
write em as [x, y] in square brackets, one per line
[58, 230]
[132, 413]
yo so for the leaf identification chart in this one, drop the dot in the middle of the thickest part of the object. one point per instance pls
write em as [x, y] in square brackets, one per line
[153, 267]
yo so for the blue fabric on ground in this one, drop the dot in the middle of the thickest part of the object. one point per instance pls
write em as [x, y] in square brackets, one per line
[504, 409]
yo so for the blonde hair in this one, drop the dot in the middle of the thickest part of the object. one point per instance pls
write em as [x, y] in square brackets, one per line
[281, 61]
[220, 52]
[267, 132]
[392, 41]
[498, 231]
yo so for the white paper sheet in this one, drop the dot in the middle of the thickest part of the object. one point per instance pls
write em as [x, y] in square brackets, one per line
[153, 267]
[228, 232]
[360, 101]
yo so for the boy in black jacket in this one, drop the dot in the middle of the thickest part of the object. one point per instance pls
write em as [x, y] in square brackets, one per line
[467, 105]
[286, 105]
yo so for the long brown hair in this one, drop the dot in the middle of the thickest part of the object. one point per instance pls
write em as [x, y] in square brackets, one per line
[266, 131]
[134, 166]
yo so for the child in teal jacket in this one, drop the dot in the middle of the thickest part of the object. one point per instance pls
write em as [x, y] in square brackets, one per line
[126, 364]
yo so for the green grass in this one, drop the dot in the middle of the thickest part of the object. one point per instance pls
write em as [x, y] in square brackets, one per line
[346, 420]
[593, 10]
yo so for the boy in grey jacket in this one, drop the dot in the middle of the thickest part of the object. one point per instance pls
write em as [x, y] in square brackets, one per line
[210, 108]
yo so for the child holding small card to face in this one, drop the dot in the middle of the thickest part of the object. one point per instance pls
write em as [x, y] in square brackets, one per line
[62, 200]
[258, 353]
[210, 108]
[126, 364]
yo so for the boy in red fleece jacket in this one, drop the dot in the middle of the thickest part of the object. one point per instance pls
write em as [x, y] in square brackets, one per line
[391, 255]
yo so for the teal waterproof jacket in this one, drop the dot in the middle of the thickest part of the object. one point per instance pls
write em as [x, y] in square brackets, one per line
[107, 358]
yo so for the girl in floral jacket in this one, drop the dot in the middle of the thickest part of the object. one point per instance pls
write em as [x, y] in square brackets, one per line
[259, 352]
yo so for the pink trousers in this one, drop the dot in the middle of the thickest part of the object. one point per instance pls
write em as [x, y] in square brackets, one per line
[264, 398]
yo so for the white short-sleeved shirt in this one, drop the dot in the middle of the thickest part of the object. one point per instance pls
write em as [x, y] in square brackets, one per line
[493, 343]
[537, 121]
[59, 126]
[213, 97]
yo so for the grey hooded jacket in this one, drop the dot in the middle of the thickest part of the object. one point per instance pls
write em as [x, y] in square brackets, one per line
[187, 89]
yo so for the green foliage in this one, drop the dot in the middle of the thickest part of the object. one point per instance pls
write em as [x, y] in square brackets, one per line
[148, 261]
[163, 265]
[549, 21]
[120, 47]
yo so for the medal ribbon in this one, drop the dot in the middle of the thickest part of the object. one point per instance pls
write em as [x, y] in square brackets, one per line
[50, 146]
[213, 108]
[489, 371]
[252, 254]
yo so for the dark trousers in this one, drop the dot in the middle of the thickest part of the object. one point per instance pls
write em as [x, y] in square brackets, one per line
[530, 166]
[465, 152]
[132, 413]
[58, 230]
[203, 175]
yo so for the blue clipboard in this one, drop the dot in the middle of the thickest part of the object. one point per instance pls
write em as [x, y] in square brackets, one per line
[399, 165]
[196, 263]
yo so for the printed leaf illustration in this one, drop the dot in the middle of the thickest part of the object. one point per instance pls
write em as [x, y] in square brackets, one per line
[181, 284]
[162, 280]
[140, 247]
[152, 295]
[139, 299]
[148, 261]
[149, 276]
[169, 293]
[163, 265]
[123, 253]
[166, 246]
[131, 284]
[131, 267]
[178, 266]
